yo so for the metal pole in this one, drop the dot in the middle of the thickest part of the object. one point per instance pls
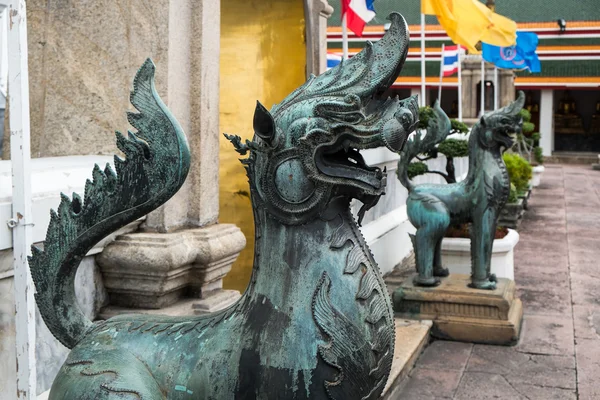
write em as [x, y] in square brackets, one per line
[459, 84]
[482, 103]
[422, 60]
[495, 88]
[18, 86]
[441, 74]
[344, 38]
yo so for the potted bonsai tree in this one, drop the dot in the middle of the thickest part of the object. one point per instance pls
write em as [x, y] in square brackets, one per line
[456, 251]
[451, 148]
[527, 146]
[519, 172]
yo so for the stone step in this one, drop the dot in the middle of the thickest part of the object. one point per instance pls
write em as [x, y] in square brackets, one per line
[572, 158]
[411, 339]
[218, 300]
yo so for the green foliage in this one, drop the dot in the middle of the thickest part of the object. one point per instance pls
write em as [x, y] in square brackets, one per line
[454, 148]
[512, 195]
[527, 141]
[528, 128]
[451, 148]
[458, 127]
[425, 114]
[526, 115]
[416, 169]
[519, 171]
[538, 155]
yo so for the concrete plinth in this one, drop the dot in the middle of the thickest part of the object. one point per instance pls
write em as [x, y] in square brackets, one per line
[461, 313]
[155, 270]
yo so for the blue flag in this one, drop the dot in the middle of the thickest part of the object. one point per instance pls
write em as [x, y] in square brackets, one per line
[520, 56]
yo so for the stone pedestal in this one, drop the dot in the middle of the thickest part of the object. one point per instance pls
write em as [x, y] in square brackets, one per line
[155, 270]
[175, 265]
[461, 313]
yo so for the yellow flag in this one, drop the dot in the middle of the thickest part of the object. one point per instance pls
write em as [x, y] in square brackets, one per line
[468, 21]
[502, 31]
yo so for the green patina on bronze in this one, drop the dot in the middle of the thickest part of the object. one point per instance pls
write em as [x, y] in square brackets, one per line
[316, 320]
[478, 199]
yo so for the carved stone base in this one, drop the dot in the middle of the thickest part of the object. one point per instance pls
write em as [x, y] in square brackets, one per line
[155, 270]
[183, 307]
[461, 313]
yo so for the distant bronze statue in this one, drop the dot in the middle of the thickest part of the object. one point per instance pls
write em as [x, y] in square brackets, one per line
[316, 321]
[478, 199]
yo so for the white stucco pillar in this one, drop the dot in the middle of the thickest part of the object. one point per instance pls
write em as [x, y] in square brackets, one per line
[316, 13]
[547, 121]
[182, 248]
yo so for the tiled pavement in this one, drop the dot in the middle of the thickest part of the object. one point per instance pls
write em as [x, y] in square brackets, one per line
[557, 271]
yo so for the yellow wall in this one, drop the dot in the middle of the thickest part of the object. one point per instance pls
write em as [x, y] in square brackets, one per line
[263, 57]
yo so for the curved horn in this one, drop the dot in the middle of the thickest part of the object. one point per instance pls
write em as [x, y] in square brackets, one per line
[369, 72]
[389, 53]
[515, 107]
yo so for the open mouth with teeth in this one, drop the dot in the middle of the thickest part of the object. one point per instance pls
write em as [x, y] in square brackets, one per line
[343, 160]
[508, 138]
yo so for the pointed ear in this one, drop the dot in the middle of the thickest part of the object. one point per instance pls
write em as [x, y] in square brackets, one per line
[264, 126]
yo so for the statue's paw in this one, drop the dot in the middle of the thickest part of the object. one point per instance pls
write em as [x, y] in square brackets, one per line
[493, 278]
[485, 285]
[441, 272]
[418, 281]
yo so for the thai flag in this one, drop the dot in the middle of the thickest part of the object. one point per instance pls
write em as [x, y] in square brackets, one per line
[450, 59]
[358, 13]
[333, 60]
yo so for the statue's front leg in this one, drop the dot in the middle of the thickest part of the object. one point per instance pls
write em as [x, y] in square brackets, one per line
[482, 240]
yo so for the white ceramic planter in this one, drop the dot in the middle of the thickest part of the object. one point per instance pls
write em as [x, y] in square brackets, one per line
[536, 178]
[456, 255]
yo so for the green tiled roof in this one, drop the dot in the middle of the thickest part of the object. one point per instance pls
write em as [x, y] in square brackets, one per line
[413, 68]
[517, 10]
[567, 68]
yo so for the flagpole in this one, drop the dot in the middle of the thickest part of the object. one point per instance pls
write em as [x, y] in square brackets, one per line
[495, 88]
[344, 38]
[422, 60]
[482, 103]
[459, 84]
[441, 74]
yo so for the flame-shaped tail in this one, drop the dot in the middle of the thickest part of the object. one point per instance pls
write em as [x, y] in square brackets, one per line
[156, 165]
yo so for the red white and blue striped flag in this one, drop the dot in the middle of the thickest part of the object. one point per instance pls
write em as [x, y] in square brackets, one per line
[333, 60]
[450, 59]
[358, 13]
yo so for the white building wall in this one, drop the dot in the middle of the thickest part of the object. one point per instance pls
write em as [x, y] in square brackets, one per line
[50, 177]
[547, 121]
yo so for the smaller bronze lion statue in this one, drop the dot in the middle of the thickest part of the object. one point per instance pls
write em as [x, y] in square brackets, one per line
[478, 199]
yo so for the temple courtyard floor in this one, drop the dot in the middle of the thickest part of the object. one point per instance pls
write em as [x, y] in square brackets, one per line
[557, 272]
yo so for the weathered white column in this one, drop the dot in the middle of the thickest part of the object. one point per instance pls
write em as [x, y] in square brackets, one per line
[21, 220]
[507, 87]
[316, 13]
[467, 100]
[547, 121]
[183, 250]
[417, 91]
